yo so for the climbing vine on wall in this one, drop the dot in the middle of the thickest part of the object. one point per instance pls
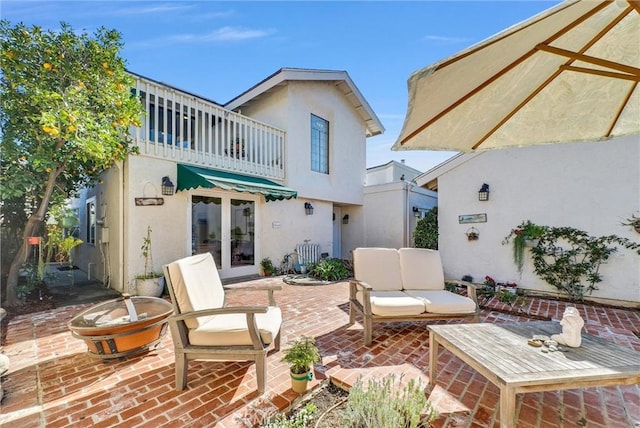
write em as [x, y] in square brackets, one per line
[569, 259]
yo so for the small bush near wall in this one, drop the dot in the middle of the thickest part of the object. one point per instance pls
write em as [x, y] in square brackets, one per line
[330, 270]
[426, 233]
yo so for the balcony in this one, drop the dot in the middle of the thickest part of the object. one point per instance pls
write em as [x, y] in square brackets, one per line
[182, 127]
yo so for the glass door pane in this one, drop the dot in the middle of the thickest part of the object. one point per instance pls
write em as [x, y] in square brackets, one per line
[206, 226]
[242, 232]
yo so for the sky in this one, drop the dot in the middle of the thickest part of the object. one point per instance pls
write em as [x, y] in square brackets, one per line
[219, 49]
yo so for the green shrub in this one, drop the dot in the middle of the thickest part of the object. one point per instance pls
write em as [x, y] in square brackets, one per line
[382, 404]
[426, 233]
[330, 270]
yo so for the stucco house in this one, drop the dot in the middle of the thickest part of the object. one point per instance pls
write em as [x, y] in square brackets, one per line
[592, 187]
[277, 166]
[393, 204]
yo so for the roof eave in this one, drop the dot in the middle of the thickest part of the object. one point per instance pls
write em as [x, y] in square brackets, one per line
[349, 89]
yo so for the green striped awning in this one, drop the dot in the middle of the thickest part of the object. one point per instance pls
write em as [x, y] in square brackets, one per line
[192, 177]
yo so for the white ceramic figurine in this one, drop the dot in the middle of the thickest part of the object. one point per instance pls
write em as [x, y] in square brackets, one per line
[572, 324]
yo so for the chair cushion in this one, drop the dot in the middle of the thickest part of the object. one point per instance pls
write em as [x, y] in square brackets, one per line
[231, 329]
[421, 269]
[378, 267]
[443, 301]
[196, 285]
[393, 303]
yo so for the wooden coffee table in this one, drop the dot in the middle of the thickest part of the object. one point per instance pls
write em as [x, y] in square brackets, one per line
[500, 353]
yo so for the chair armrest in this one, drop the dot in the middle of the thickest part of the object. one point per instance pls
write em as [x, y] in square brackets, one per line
[221, 311]
[249, 311]
[268, 288]
[366, 289]
[355, 284]
[361, 284]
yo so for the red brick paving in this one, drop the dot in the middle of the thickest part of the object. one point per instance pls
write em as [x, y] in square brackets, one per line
[52, 381]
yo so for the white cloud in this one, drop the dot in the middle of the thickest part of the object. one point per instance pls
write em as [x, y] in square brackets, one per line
[446, 39]
[152, 9]
[232, 33]
[221, 35]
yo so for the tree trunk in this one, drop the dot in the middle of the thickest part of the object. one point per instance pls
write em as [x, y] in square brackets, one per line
[32, 223]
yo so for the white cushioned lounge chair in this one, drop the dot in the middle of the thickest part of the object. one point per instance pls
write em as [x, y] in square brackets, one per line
[203, 328]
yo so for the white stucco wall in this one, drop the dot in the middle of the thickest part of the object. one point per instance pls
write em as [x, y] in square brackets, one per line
[285, 225]
[290, 107]
[588, 186]
[170, 238]
[388, 211]
[390, 172]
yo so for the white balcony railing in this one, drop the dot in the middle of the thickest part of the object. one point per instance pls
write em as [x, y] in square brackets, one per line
[182, 127]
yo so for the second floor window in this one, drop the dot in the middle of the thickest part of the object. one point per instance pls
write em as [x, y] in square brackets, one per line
[319, 144]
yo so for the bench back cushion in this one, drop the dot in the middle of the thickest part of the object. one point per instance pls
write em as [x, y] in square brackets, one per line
[196, 285]
[379, 267]
[421, 269]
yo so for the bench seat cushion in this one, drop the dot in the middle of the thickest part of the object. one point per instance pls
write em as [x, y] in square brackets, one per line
[231, 329]
[443, 301]
[393, 303]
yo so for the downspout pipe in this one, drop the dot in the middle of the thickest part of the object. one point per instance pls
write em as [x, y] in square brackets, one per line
[121, 216]
[407, 213]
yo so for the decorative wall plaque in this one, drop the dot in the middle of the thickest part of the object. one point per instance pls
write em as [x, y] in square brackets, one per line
[472, 218]
[141, 202]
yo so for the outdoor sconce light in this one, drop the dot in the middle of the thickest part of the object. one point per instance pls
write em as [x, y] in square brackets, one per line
[483, 194]
[308, 208]
[167, 186]
[416, 212]
[345, 219]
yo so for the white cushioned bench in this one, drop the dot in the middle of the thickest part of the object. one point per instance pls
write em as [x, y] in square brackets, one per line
[403, 285]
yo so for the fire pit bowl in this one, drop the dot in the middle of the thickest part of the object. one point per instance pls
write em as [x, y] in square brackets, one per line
[122, 327]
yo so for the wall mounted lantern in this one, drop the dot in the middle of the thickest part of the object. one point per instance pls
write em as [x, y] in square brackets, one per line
[416, 212]
[308, 208]
[167, 186]
[483, 194]
[345, 219]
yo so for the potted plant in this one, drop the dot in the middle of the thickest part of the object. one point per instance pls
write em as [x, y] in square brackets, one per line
[472, 234]
[267, 267]
[149, 283]
[527, 234]
[301, 355]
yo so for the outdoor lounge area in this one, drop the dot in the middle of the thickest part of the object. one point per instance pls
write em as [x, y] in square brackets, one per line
[53, 382]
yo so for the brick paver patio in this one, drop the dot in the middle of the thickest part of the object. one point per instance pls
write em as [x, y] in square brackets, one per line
[52, 382]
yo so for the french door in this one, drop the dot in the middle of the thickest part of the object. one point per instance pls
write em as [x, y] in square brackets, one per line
[225, 226]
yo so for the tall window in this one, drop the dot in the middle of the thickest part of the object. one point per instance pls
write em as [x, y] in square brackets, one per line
[319, 144]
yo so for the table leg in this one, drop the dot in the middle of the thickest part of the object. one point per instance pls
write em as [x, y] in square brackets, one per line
[433, 358]
[507, 407]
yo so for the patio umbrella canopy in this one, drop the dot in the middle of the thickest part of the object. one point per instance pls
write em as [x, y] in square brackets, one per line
[568, 74]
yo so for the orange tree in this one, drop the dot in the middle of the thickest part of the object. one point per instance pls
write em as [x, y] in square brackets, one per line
[66, 106]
